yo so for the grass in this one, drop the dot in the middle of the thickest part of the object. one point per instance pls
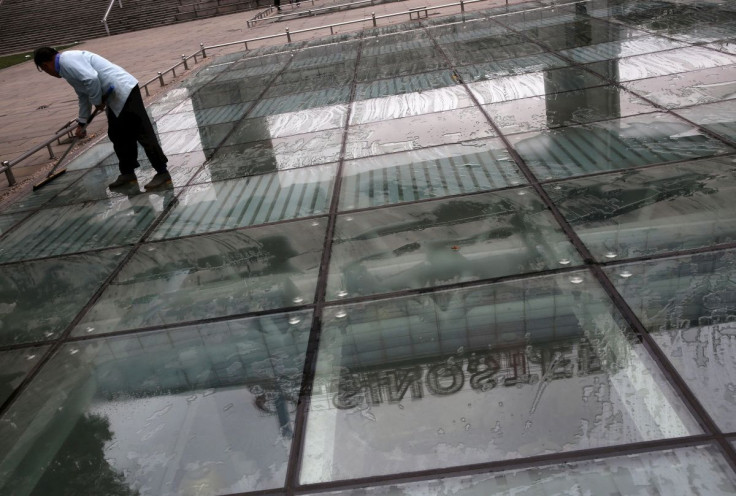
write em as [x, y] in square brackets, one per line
[19, 58]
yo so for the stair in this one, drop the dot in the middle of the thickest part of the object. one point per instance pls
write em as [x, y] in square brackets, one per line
[27, 24]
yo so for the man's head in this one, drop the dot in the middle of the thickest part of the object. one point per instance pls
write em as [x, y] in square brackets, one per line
[45, 59]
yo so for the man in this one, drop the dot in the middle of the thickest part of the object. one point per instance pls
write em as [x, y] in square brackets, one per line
[107, 86]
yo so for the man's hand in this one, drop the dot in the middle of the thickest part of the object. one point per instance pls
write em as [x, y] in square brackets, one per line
[80, 132]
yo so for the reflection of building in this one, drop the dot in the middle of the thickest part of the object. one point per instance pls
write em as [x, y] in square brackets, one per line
[583, 31]
[479, 371]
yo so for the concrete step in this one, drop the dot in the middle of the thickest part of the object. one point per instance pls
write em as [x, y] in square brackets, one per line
[27, 24]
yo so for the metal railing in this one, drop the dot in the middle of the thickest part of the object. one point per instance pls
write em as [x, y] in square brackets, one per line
[6, 166]
[374, 19]
[107, 14]
[261, 15]
[266, 13]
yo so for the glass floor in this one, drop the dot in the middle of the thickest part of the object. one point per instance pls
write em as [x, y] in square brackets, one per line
[491, 253]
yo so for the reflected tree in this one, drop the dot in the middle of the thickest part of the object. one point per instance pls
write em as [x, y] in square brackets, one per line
[79, 468]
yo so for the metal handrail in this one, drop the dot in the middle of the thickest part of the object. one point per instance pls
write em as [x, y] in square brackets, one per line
[374, 19]
[7, 165]
[311, 12]
[107, 14]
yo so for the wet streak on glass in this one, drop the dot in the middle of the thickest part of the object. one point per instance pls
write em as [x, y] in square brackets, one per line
[687, 304]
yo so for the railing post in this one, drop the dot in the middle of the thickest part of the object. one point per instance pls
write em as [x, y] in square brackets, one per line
[288, 35]
[120, 2]
[51, 152]
[9, 173]
[184, 59]
[373, 15]
[246, 45]
[147, 92]
[204, 54]
[462, 6]
[173, 71]
[107, 29]
[161, 78]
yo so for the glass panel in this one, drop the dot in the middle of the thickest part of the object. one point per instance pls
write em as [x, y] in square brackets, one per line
[280, 125]
[444, 242]
[531, 19]
[217, 94]
[691, 88]
[474, 36]
[375, 44]
[619, 49]
[273, 155]
[93, 185]
[201, 117]
[404, 84]
[16, 364]
[687, 305]
[249, 201]
[723, 46]
[8, 221]
[211, 276]
[480, 51]
[430, 173]
[39, 299]
[653, 210]
[716, 117]
[91, 157]
[35, 199]
[89, 226]
[206, 409]
[198, 138]
[503, 68]
[325, 55]
[533, 84]
[610, 145]
[693, 470]
[399, 63]
[398, 106]
[260, 63]
[581, 31]
[523, 368]
[168, 101]
[313, 78]
[328, 78]
[697, 22]
[301, 101]
[662, 63]
[566, 108]
[422, 131]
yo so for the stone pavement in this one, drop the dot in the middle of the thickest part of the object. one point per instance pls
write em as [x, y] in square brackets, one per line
[35, 106]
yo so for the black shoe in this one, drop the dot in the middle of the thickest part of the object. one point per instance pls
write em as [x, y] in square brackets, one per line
[123, 180]
[159, 180]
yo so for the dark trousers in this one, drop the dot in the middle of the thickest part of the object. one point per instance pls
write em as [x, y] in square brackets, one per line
[131, 127]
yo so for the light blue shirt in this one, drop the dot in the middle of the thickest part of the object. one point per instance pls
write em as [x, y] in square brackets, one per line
[91, 76]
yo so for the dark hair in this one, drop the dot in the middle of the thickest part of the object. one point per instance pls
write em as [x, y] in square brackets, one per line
[43, 54]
